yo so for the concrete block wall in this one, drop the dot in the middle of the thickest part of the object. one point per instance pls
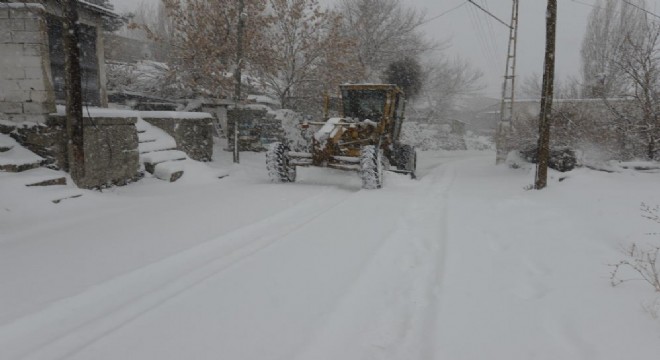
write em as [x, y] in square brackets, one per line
[26, 91]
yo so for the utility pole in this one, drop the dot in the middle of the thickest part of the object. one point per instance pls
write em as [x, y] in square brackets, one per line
[541, 180]
[505, 126]
[240, 30]
[74, 115]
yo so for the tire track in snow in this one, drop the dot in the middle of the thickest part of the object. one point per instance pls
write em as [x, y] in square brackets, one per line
[74, 323]
[389, 311]
[431, 320]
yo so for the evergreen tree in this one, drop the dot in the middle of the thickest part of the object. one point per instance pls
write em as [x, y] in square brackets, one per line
[407, 74]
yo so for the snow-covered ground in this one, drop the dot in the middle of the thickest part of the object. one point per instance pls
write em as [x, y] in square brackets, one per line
[463, 263]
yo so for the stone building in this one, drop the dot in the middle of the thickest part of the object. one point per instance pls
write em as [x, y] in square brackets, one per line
[32, 58]
[32, 85]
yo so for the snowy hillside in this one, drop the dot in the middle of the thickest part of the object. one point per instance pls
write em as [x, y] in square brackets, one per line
[463, 263]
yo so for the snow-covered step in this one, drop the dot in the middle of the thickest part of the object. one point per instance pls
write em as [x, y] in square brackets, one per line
[152, 159]
[147, 137]
[147, 140]
[151, 138]
[17, 158]
[169, 171]
[158, 145]
[142, 126]
[6, 143]
[42, 177]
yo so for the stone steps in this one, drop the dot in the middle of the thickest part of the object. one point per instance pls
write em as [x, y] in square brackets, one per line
[158, 145]
[40, 177]
[153, 159]
[40, 184]
[22, 168]
[15, 158]
[144, 137]
[158, 152]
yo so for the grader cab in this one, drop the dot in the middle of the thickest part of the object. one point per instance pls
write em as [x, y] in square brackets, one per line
[365, 138]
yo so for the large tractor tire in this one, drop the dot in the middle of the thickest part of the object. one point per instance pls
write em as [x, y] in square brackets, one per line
[277, 163]
[371, 167]
[407, 159]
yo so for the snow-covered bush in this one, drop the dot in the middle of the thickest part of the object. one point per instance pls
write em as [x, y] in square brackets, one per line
[515, 160]
[641, 263]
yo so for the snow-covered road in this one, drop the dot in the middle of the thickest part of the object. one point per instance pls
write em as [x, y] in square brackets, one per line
[451, 266]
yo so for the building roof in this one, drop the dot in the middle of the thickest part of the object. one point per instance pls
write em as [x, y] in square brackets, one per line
[99, 9]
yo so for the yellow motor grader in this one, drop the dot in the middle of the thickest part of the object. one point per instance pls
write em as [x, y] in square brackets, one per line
[365, 138]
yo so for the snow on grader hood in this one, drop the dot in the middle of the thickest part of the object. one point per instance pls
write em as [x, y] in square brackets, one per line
[364, 139]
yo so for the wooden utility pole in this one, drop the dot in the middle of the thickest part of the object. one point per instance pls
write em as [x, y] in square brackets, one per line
[240, 31]
[541, 180]
[74, 114]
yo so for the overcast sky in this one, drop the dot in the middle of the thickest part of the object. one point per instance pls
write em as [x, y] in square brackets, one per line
[483, 41]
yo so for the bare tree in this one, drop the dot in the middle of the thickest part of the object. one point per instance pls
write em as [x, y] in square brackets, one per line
[640, 62]
[610, 22]
[149, 21]
[446, 80]
[531, 88]
[306, 47]
[621, 59]
[385, 31]
[204, 39]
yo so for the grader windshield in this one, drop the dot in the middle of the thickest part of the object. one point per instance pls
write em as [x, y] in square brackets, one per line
[364, 104]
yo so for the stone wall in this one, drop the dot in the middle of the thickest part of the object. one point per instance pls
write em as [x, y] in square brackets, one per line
[257, 129]
[26, 91]
[219, 112]
[111, 150]
[110, 147]
[193, 134]
[47, 140]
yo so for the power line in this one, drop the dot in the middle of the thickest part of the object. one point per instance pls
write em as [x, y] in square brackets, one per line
[481, 39]
[491, 32]
[625, 2]
[445, 13]
[640, 8]
[489, 13]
